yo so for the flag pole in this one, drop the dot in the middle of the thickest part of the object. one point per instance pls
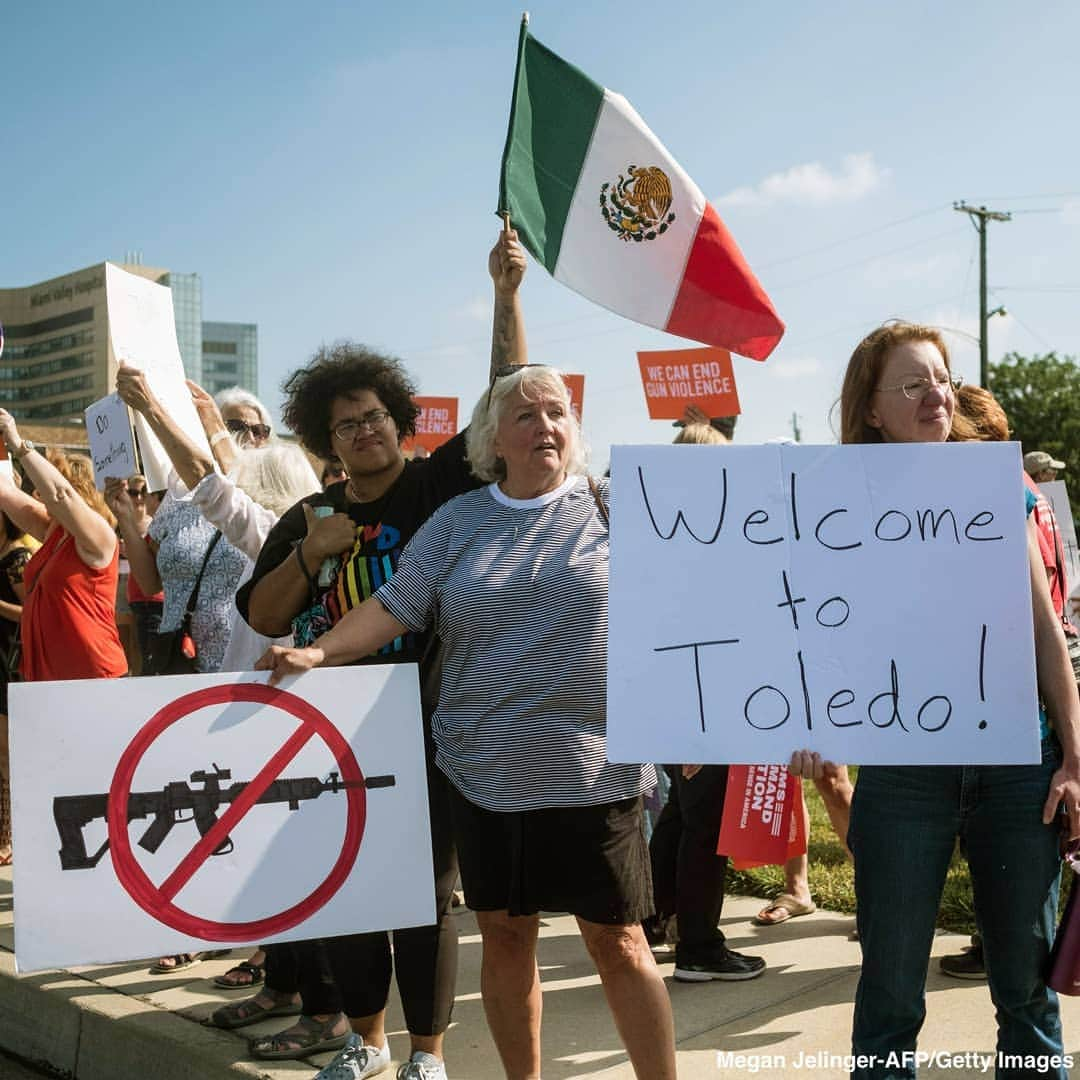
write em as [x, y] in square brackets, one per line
[504, 202]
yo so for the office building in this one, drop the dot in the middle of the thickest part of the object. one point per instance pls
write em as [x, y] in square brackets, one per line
[57, 357]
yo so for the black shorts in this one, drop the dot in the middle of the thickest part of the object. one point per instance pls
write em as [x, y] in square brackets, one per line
[589, 861]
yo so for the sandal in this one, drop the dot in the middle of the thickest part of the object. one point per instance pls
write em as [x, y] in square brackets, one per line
[784, 907]
[245, 976]
[166, 965]
[241, 1013]
[307, 1036]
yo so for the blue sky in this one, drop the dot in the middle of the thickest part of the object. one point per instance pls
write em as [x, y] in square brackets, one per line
[333, 172]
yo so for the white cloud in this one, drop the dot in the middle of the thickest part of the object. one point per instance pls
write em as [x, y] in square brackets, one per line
[1070, 212]
[813, 184]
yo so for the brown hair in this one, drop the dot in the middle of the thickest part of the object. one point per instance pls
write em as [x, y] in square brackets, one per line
[984, 414]
[78, 471]
[864, 371]
[699, 435]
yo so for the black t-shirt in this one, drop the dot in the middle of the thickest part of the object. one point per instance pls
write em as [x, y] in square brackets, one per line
[383, 528]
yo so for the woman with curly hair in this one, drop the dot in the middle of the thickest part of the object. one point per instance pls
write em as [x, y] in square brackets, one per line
[69, 611]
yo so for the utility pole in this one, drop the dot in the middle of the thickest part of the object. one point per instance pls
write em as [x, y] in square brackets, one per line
[979, 216]
[795, 427]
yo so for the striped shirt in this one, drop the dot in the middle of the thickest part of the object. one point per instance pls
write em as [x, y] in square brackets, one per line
[517, 590]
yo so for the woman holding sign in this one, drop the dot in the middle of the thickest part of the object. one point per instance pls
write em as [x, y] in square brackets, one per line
[906, 819]
[68, 626]
[513, 577]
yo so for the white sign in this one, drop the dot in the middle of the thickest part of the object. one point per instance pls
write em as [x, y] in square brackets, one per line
[157, 816]
[112, 442]
[1058, 497]
[869, 602]
[143, 332]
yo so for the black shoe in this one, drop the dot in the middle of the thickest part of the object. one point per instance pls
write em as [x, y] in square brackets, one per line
[704, 965]
[966, 965]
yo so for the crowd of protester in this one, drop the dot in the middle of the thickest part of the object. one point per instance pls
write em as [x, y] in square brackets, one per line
[372, 557]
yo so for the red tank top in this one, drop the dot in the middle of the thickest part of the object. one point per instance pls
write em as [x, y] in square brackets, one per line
[69, 615]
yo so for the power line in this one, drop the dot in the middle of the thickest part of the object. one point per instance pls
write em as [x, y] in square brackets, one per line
[853, 238]
[863, 262]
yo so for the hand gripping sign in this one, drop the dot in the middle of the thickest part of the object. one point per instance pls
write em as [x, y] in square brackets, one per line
[275, 856]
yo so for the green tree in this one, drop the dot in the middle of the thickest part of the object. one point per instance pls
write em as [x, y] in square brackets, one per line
[1041, 397]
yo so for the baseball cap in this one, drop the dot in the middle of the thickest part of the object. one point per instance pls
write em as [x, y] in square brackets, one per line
[1039, 460]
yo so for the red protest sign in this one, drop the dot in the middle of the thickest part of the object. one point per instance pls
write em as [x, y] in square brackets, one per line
[436, 424]
[675, 378]
[576, 385]
[157, 900]
[762, 823]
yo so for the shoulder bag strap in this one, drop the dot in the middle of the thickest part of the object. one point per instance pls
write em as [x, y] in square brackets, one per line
[194, 597]
[603, 510]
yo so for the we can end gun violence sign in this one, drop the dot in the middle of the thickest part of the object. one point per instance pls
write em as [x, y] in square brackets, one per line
[869, 602]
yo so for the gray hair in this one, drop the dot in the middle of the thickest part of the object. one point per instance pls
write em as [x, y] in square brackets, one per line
[276, 476]
[530, 382]
[238, 396]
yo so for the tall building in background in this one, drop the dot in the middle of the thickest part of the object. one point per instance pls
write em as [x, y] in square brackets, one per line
[187, 311]
[230, 356]
[57, 357]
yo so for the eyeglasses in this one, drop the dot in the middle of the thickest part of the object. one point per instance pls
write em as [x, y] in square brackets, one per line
[136, 493]
[241, 427]
[917, 389]
[502, 372]
[372, 421]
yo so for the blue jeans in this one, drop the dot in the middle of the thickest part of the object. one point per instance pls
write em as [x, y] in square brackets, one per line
[905, 821]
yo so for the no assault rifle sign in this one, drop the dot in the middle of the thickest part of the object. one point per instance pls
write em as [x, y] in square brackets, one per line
[869, 602]
[181, 812]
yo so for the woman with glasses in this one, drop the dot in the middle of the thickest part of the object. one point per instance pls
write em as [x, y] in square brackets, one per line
[328, 554]
[906, 820]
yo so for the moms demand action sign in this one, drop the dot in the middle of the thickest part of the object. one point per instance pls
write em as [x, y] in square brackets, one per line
[869, 602]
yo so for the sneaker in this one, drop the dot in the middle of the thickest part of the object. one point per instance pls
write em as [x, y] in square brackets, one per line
[968, 964]
[356, 1060]
[422, 1066]
[716, 963]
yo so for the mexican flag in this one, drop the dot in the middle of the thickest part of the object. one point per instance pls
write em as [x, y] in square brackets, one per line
[598, 200]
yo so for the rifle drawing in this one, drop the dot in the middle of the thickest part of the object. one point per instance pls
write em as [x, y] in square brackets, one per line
[169, 806]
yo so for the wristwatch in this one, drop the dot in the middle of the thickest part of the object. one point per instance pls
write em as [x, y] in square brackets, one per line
[20, 451]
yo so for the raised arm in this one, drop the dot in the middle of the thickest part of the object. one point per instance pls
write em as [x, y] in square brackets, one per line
[506, 265]
[140, 555]
[94, 539]
[221, 442]
[190, 461]
[359, 633]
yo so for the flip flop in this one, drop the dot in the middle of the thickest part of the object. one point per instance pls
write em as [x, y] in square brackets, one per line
[314, 1038]
[253, 972]
[789, 908]
[241, 1013]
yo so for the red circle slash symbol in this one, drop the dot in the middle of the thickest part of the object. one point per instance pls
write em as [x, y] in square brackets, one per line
[157, 900]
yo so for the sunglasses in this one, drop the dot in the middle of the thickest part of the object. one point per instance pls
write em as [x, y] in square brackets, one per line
[501, 373]
[240, 427]
[136, 493]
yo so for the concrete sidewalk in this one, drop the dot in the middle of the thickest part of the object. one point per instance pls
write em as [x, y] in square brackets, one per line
[119, 1023]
